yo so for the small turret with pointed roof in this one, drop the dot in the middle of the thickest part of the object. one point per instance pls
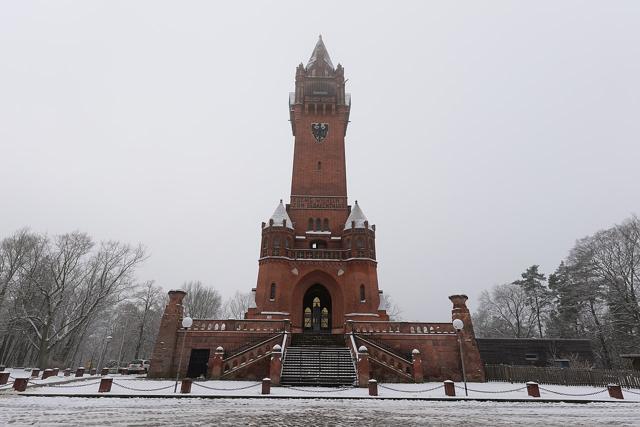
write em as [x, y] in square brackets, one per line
[357, 219]
[280, 217]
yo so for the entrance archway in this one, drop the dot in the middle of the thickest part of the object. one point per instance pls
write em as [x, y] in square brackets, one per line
[316, 309]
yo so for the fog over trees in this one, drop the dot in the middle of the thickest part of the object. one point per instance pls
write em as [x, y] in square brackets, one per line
[69, 301]
[592, 294]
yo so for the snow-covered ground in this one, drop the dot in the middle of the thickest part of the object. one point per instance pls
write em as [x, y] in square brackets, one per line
[133, 386]
[78, 411]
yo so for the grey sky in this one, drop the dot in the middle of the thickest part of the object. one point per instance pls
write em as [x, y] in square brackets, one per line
[486, 136]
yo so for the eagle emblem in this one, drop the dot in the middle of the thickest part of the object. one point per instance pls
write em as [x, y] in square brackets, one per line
[319, 131]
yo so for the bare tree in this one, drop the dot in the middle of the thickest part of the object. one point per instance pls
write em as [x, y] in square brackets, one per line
[202, 302]
[505, 312]
[237, 305]
[393, 310]
[149, 300]
[66, 285]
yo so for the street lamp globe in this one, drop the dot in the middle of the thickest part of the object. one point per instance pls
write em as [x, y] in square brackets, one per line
[458, 324]
[187, 322]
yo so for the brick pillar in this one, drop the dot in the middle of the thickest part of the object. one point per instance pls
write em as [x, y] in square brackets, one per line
[105, 385]
[449, 388]
[80, 372]
[35, 373]
[20, 384]
[67, 372]
[418, 374]
[373, 388]
[363, 367]
[47, 373]
[472, 360]
[615, 391]
[93, 371]
[275, 368]
[266, 386]
[56, 371]
[104, 371]
[217, 364]
[532, 389]
[164, 351]
[185, 387]
[4, 377]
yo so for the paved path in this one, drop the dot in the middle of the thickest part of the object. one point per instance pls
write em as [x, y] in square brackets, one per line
[53, 411]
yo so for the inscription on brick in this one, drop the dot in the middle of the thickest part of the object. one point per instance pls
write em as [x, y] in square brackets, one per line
[311, 202]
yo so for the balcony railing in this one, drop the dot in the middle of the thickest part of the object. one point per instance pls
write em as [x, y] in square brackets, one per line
[337, 254]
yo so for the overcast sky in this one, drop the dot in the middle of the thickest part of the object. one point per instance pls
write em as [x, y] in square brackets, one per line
[486, 136]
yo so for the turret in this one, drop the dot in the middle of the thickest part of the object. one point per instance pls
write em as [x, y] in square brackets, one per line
[278, 234]
[358, 235]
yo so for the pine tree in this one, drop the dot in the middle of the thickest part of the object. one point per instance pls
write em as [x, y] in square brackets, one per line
[538, 295]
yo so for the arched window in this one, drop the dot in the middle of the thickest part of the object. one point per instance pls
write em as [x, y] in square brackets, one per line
[359, 243]
[272, 294]
[324, 322]
[310, 226]
[362, 294]
[307, 317]
[319, 165]
[276, 242]
[347, 243]
[265, 243]
[318, 224]
[287, 243]
[325, 226]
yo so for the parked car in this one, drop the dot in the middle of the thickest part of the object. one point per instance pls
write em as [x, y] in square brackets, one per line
[138, 366]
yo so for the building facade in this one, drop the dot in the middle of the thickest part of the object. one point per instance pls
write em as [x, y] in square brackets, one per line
[317, 273]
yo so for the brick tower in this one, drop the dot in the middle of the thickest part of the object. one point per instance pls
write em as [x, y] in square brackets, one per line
[317, 263]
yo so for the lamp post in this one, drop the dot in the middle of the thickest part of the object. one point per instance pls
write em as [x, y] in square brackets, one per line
[104, 350]
[458, 325]
[186, 324]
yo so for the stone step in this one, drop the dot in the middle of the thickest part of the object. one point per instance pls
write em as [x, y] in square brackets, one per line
[318, 365]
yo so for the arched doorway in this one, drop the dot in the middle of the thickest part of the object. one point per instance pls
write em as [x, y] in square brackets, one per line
[316, 309]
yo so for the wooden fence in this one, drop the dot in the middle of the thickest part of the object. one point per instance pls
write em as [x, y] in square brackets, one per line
[563, 376]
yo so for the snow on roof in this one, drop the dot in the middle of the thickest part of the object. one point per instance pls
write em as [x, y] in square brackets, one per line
[320, 53]
[358, 216]
[279, 215]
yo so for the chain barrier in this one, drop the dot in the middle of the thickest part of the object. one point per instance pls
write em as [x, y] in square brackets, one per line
[70, 385]
[333, 390]
[143, 389]
[225, 389]
[572, 394]
[492, 391]
[410, 391]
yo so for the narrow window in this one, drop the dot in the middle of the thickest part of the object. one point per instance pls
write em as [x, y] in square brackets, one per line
[318, 224]
[265, 242]
[359, 243]
[362, 294]
[272, 294]
[310, 227]
[325, 226]
[319, 165]
[276, 242]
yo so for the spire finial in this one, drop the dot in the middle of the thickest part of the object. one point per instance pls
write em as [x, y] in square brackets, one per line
[280, 200]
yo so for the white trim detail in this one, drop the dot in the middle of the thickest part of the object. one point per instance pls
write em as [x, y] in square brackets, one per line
[275, 312]
[362, 314]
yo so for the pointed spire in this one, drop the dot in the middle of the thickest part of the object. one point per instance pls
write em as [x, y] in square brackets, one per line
[280, 215]
[358, 216]
[320, 55]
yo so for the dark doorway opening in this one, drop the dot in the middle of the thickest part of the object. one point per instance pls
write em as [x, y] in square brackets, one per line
[198, 363]
[316, 309]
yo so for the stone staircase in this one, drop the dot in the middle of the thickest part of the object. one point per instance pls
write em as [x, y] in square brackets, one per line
[318, 360]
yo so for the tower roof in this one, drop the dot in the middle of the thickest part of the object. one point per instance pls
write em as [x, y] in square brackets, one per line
[279, 215]
[356, 215]
[320, 55]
